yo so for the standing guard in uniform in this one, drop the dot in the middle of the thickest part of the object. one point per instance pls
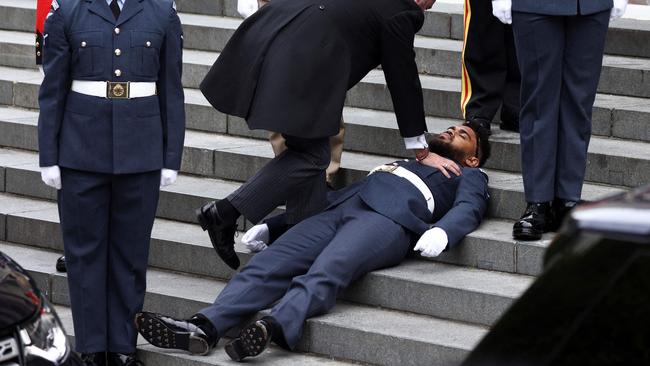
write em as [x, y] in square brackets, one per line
[490, 76]
[560, 45]
[111, 132]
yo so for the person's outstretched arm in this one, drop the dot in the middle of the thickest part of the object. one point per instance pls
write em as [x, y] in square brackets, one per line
[463, 218]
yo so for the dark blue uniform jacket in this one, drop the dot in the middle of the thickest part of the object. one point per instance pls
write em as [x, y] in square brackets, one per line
[83, 41]
[460, 201]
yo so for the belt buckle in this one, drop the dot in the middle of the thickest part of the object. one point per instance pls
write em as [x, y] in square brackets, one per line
[390, 168]
[385, 168]
[117, 90]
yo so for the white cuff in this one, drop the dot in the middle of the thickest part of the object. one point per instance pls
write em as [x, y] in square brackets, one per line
[417, 142]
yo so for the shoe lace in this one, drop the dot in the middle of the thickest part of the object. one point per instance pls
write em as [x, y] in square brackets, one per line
[237, 229]
[88, 359]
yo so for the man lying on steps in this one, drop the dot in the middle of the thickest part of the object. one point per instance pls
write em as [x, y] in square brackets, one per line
[369, 225]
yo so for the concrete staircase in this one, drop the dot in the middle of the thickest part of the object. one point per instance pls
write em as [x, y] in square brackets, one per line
[424, 312]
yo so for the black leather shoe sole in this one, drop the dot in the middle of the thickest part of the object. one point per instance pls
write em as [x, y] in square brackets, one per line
[60, 264]
[526, 234]
[252, 341]
[514, 127]
[156, 332]
[226, 252]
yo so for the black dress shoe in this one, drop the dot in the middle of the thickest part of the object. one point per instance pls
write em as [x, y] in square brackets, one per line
[94, 359]
[60, 264]
[536, 220]
[120, 359]
[509, 126]
[486, 124]
[166, 332]
[251, 341]
[222, 234]
[561, 208]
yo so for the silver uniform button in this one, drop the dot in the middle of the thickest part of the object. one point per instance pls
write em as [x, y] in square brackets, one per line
[116, 30]
[321, 7]
[118, 52]
[38, 53]
[118, 72]
[83, 43]
[148, 44]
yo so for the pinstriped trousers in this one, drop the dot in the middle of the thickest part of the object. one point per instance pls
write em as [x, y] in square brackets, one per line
[296, 178]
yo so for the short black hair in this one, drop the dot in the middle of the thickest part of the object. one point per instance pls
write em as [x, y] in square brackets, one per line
[483, 149]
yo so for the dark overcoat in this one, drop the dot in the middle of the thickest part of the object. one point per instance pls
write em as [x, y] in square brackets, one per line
[288, 67]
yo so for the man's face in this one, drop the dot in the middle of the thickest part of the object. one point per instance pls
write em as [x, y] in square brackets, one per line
[459, 141]
[425, 4]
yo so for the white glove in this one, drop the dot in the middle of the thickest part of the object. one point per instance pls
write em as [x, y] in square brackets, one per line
[167, 177]
[256, 238]
[502, 9]
[246, 8]
[618, 10]
[432, 242]
[51, 175]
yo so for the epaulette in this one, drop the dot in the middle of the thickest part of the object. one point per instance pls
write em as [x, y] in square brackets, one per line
[54, 7]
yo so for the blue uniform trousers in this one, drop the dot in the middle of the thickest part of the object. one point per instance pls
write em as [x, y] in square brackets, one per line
[560, 59]
[106, 221]
[307, 267]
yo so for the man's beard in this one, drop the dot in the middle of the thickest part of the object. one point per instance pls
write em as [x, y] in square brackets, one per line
[445, 149]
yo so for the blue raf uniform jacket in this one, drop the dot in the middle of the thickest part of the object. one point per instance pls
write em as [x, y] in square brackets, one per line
[83, 41]
[562, 7]
[460, 201]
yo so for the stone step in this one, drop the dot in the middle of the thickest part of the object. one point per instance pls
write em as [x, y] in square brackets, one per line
[617, 116]
[614, 115]
[435, 56]
[442, 95]
[351, 331]
[626, 37]
[470, 295]
[610, 161]
[489, 247]
[208, 7]
[445, 20]
[42, 271]
[237, 159]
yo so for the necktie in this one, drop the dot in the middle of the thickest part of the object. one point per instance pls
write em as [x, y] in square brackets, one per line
[115, 8]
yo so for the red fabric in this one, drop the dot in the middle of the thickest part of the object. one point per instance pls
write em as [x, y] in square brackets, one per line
[42, 9]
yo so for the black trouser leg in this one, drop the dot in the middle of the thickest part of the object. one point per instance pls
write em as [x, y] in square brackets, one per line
[490, 74]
